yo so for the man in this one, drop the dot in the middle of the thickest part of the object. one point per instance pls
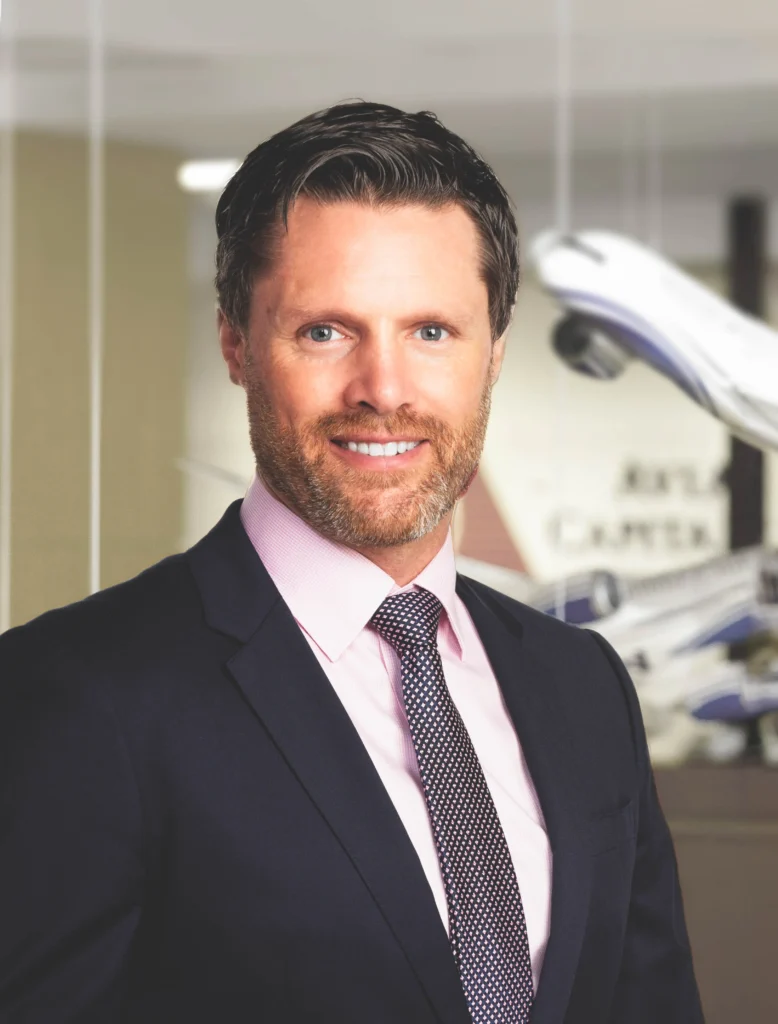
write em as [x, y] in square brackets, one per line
[305, 772]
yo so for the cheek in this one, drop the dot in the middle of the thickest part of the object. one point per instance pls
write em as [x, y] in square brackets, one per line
[455, 389]
[297, 395]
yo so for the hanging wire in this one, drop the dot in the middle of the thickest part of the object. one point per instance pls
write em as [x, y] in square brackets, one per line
[7, 284]
[629, 57]
[96, 276]
[563, 155]
[654, 174]
[563, 118]
[630, 179]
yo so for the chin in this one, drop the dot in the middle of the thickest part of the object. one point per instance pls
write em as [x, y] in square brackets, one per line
[389, 524]
[387, 509]
[366, 536]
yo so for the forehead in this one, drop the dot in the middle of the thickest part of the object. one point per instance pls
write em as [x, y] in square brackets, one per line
[353, 251]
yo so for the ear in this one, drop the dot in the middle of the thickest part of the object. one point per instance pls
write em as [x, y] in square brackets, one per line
[233, 346]
[498, 353]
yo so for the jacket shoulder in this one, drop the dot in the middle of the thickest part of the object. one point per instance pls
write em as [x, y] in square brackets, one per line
[114, 623]
[586, 667]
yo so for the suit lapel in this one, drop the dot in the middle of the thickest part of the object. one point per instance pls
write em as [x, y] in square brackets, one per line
[289, 692]
[540, 722]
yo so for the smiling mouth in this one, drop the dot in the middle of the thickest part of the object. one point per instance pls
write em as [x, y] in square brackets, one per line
[376, 449]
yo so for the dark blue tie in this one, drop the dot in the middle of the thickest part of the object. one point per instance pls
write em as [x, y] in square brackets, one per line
[487, 929]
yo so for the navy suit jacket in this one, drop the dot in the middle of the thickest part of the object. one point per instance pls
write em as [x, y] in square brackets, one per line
[192, 831]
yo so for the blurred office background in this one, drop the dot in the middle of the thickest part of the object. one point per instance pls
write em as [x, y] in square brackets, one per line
[122, 441]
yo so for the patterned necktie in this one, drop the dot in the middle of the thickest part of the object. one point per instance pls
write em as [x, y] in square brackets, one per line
[487, 929]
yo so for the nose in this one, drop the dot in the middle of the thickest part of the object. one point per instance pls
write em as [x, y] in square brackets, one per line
[380, 375]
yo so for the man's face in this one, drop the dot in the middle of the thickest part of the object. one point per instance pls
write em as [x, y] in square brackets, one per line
[371, 329]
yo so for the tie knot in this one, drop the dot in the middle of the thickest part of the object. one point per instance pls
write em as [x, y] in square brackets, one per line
[405, 620]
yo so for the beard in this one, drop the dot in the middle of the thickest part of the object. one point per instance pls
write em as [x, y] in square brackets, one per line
[363, 509]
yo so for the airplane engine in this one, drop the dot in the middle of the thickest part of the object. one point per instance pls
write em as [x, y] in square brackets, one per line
[586, 348]
[585, 597]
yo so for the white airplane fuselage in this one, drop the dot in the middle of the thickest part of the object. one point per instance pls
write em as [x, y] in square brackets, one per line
[648, 309]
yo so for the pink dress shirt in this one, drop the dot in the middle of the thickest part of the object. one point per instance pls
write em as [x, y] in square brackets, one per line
[332, 592]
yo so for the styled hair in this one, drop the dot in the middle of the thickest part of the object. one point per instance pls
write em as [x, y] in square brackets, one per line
[363, 152]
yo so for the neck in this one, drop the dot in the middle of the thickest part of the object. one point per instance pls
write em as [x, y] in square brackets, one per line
[404, 562]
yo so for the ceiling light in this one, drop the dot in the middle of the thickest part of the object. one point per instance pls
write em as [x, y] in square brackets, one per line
[206, 175]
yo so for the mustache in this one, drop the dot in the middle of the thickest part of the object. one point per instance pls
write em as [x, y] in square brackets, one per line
[398, 424]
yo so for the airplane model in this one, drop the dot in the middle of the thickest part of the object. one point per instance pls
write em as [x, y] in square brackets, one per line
[623, 302]
[654, 620]
[724, 600]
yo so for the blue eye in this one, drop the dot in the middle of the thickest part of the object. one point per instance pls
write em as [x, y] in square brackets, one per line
[322, 332]
[432, 332]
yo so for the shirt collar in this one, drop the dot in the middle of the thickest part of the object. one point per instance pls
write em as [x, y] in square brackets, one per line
[331, 590]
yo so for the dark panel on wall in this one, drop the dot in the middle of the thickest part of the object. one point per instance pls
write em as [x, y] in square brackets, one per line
[747, 271]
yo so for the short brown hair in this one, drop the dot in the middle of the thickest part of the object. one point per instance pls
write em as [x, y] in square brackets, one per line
[366, 152]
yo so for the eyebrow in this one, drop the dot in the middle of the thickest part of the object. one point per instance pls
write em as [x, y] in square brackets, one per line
[304, 314]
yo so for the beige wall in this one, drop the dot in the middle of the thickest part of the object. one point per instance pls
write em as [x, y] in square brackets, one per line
[147, 322]
[146, 326]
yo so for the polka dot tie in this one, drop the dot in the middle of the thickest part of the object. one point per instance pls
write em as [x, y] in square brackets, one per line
[487, 929]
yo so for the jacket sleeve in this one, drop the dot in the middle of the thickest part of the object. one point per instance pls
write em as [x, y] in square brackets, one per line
[656, 981]
[71, 871]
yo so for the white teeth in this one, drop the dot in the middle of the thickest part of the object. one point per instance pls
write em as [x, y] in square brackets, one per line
[376, 449]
